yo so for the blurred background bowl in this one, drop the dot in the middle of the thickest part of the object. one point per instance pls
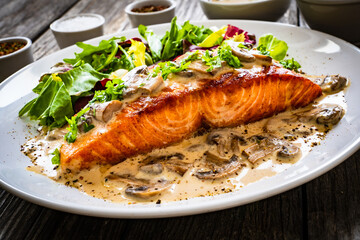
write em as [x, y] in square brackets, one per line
[162, 16]
[77, 28]
[268, 10]
[12, 62]
[336, 17]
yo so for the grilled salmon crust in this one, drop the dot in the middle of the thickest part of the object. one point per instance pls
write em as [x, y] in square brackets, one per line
[177, 112]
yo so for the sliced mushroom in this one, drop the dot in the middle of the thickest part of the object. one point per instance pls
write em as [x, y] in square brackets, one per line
[267, 144]
[263, 59]
[139, 79]
[325, 114]
[332, 83]
[198, 66]
[127, 178]
[217, 167]
[148, 191]
[236, 142]
[173, 162]
[104, 111]
[185, 74]
[225, 141]
[154, 169]
[141, 188]
[241, 53]
[288, 151]
[330, 115]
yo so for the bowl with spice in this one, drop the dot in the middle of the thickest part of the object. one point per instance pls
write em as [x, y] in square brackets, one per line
[15, 53]
[150, 12]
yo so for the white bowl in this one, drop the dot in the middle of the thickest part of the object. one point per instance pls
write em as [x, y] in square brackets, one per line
[269, 10]
[340, 18]
[162, 16]
[77, 28]
[12, 62]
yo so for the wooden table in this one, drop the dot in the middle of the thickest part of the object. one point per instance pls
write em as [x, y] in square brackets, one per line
[325, 208]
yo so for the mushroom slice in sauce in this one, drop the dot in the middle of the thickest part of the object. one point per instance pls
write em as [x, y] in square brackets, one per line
[104, 111]
[127, 178]
[325, 114]
[148, 191]
[330, 114]
[139, 80]
[173, 162]
[243, 54]
[217, 167]
[266, 145]
[226, 141]
[332, 83]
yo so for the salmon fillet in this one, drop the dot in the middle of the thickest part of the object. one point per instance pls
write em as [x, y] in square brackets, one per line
[234, 98]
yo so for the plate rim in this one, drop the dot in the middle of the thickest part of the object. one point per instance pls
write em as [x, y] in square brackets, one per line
[210, 206]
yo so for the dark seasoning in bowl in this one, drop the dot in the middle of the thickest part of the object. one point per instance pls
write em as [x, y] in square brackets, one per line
[149, 9]
[10, 47]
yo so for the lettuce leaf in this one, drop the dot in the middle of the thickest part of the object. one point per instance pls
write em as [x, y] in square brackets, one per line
[270, 45]
[57, 92]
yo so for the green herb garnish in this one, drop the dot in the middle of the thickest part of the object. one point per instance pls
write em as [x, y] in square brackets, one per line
[291, 64]
[114, 91]
[225, 54]
[56, 158]
[211, 61]
[70, 136]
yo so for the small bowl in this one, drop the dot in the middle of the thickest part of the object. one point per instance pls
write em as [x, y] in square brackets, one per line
[78, 28]
[162, 16]
[336, 17]
[12, 62]
[268, 10]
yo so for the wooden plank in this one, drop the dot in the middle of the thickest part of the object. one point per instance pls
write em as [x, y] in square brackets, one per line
[333, 202]
[30, 18]
[280, 217]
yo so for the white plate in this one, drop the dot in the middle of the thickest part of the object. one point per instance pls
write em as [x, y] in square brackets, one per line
[317, 52]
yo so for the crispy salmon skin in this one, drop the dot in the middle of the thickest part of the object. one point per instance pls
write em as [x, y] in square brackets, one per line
[234, 98]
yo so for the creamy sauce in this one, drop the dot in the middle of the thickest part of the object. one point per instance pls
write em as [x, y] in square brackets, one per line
[169, 182]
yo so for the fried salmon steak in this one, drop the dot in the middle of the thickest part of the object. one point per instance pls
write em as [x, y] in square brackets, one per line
[234, 98]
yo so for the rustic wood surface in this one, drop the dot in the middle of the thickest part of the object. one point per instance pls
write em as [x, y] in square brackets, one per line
[325, 208]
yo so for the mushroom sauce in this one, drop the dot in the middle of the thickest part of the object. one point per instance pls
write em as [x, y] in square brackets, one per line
[212, 161]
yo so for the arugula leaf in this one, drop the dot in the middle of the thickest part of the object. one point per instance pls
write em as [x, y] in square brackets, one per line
[291, 64]
[212, 61]
[56, 158]
[98, 56]
[153, 40]
[225, 54]
[70, 136]
[273, 47]
[56, 92]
